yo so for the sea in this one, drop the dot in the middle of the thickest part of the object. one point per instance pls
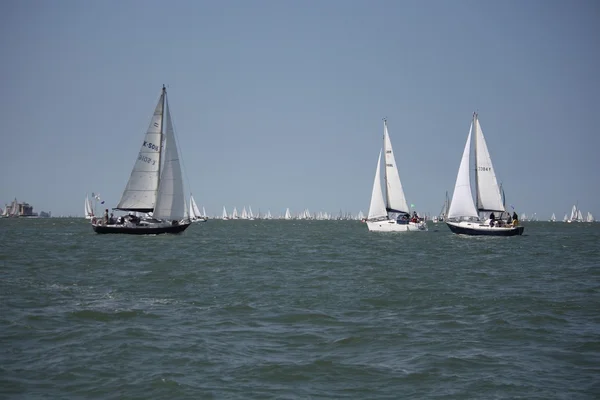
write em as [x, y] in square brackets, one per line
[298, 310]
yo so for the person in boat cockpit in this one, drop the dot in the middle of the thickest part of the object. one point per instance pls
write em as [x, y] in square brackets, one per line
[492, 219]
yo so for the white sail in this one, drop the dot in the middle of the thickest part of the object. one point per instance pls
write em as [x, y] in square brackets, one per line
[395, 194]
[462, 205]
[224, 215]
[553, 217]
[377, 205]
[203, 212]
[140, 192]
[288, 215]
[89, 210]
[170, 201]
[573, 213]
[579, 216]
[194, 211]
[250, 214]
[488, 192]
[590, 217]
[244, 213]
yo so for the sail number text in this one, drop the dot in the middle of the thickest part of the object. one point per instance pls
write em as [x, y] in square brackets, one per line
[151, 146]
[484, 168]
[146, 159]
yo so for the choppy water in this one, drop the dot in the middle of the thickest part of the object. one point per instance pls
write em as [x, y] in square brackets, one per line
[287, 309]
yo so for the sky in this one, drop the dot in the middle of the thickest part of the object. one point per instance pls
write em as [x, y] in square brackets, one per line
[279, 103]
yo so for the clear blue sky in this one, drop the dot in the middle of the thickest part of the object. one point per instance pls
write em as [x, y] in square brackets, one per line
[279, 103]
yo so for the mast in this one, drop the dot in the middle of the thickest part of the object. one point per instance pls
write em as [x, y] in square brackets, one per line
[385, 175]
[476, 173]
[162, 136]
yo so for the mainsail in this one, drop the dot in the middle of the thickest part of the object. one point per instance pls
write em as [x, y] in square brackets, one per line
[396, 202]
[488, 193]
[170, 203]
[141, 189]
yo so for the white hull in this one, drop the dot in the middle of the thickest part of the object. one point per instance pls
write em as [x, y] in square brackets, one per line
[393, 226]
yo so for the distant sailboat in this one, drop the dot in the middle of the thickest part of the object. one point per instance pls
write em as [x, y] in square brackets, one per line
[155, 186]
[553, 218]
[88, 208]
[393, 214]
[224, 215]
[590, 217]
[464, 217]
[194, 212]
[575, 215]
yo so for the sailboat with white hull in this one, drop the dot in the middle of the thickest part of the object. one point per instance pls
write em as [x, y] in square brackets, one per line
[464, 217]
[391, 215]
[88, 208]
[155, 187]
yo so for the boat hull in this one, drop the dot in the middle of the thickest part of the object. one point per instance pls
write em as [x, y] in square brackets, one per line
[479, 229]
[140, 229]
[393, 226]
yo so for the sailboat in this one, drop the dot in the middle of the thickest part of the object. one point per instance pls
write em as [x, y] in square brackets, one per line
[391, 215]
[155, 186]
[88, 208]
[575, 215]
[194, 212]
[553, 218]
[464, 217]
[224, 215]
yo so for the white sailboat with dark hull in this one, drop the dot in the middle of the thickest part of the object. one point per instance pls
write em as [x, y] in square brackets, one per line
[464, 216]
[155, 187]
[393, 214]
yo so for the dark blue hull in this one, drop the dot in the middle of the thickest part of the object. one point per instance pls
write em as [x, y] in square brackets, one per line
[140, 229]
[515, 231]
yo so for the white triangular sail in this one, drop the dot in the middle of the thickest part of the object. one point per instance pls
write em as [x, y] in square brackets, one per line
[140, 192]
[377, 205]
[170, 201]
[194, 211]
[89, 209]
[462, 205]
[395, 194]
[574, 213]
[488, 192]
[224, 215]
